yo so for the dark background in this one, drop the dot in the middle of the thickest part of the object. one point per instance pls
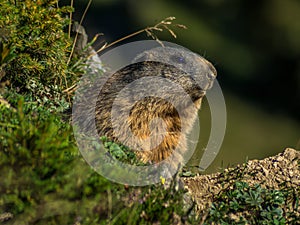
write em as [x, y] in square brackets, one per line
[255, 46]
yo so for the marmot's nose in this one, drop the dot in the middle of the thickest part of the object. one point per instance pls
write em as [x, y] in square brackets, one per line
[212, 72]
[210, 76]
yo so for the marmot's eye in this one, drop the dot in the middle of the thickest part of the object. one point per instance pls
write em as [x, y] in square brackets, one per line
[178, 59]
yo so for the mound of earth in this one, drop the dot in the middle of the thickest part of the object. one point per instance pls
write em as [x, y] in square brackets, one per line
[277, 172]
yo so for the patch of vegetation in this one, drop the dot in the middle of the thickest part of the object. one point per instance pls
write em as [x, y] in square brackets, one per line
[158, 205]
[47, 182]
[242, 204]
[121, 152]
[34, 49]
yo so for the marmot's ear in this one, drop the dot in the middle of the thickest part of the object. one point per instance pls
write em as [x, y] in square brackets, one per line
[79, 32]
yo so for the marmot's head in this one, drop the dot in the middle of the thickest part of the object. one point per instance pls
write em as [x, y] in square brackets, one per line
[197, 74]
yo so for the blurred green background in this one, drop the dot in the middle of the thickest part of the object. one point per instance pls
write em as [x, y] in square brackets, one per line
[255, 46]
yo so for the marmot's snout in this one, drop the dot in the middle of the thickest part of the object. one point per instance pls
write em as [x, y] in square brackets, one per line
[204, 72]
[211, 74]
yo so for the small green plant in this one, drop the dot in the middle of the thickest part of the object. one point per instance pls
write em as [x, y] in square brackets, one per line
[242, 204]
[121, 152]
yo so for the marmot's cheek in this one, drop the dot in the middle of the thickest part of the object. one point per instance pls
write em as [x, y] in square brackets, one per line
[197, 94]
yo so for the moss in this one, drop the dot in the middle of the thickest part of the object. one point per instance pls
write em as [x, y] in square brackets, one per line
[35, 49]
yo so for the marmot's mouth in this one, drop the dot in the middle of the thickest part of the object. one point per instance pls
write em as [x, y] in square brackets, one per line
[204, 86]
[208, 85]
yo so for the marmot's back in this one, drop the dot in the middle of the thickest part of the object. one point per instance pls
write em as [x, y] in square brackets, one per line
[152, 104]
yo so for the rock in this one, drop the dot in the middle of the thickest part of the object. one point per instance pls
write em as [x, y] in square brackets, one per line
[276, 172]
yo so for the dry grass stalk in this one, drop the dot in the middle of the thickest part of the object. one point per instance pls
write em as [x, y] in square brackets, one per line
[80, 23]
[150, 31]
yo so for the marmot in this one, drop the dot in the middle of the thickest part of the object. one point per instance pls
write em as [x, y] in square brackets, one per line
[154, 125]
